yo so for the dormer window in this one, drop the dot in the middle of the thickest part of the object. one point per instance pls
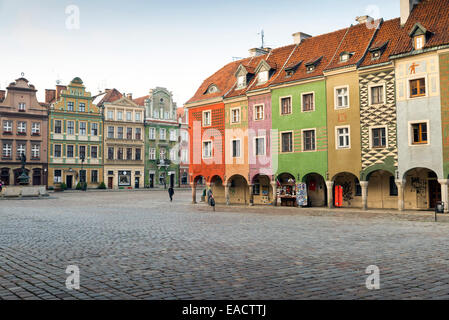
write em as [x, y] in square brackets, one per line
[345, 56]
[420, 41]
[263, 77]
[289, 73]
[311, 68]
[22, 106]
[312, 64]
[419, 36]
[212, 89]
[241, 82]
[375, 55]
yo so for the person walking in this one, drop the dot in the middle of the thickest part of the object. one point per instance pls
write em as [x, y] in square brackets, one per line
[1, 186]
[209, 195]
[212, 201]
[171, 192]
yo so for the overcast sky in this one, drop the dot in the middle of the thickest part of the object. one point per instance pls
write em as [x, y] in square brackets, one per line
[137, 45]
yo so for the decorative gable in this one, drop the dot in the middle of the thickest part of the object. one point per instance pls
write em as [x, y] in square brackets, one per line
[263, 71]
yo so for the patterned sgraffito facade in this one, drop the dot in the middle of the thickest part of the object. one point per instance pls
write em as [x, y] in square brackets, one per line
[444, 87]
[378, 116]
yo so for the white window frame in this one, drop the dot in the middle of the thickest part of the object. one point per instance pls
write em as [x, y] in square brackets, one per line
[110, 114]
[22, 127]
[35, 149]
[370, 98]
[241, 82]
[239, 120]
[22, 106]
[264, 146]
[184, 155]
[7, 125]
[336, 107]
[211, 149]
[152, 154]
[35, 128]
[7, 150]
[302, 138]
[410, 135]
[162, 136]
[293, 141]
[240, 148]
[291, 105]
[152, 133]
[19, 147]
[337, 146]
[255, 111]
[138, 116]
[172, 134]
[210, 118]
[371, 136]
[129, 116]
[120, 115]
[302, 101]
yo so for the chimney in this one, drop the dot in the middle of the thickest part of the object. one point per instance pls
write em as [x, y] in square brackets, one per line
[50, 95]
[129, 96]
[298, 37]
[2, 95]
[364, 19]
[407, 7]
[59, 88]
[254, 52]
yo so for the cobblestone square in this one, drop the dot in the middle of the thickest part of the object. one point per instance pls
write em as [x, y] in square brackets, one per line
[138, 245]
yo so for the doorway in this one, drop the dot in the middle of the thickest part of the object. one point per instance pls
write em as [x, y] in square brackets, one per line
[110, 182]
[36, 177]
[434, 193]
[172, 180]
[136, 182]
[151, 180]
[69, 182]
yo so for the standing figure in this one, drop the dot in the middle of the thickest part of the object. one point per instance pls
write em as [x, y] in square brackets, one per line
[171, 192]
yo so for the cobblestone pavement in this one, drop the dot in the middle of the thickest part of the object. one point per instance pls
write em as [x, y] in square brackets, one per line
[137, 245]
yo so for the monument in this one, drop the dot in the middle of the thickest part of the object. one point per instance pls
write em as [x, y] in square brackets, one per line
[24, 179]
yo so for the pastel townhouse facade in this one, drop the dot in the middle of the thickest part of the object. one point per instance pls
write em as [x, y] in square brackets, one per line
[123, 141]
[24, 130]
[161, 139]
[75, 138]
[183, 120]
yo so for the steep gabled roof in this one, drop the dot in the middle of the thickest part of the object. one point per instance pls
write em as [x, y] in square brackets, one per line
[110, 96]
[433, 15]
[141, 101]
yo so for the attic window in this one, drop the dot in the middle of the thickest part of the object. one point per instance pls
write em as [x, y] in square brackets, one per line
[345, 56]
[289, 73]
[420, 42]
[375, 55]
[212, 89]
[241, 83]
[263, 77]
[311, 68]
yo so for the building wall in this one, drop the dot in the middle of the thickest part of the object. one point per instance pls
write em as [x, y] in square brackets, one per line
[444, 85]
[426, 108]
[299, 162]
[135, 172]
[378, 115]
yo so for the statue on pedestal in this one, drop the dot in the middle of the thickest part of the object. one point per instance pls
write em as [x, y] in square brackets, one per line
[23, 178]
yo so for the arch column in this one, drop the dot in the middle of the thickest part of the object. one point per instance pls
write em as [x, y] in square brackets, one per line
[251, 196]
[193, 186]
[330, 198]
[364, 186]
[227, 193]
[444, 193]
[274, 188]
[400, 184]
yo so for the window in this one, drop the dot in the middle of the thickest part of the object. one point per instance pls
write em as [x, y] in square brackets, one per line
[375, 55]
[35, 151]
[260, 146]
[417, 88]
[377, 94]
[129, 133]
[162, 153]
[7, 150]
[173, 154]
[58, 126]
[307, 102]
[393, 187]
[82, 128]
[343, 138]
[419, 133]
[21, 148]
[378, 138]
[241, 83]
[70, 106]
[94, 129]
[70, 152]
[138, 133]
[156, 114]
[162, 134]
[419, 42]
[110, 153]
[184, 155]
[309, 140]
[152, 154]
[173, 135]
[235, 115]
[310, 68]
[129, 153]
[57, 152]
[94, 152]
[138, 116]
[236, 148]
[344, 57]
[358, 188]
[7, 126]
[120, 132]
[70, 127]
[22, 106]
[119, 115]
[286, 105]
[263, 77]
[138, 154]
[206, 118]
[82, 107]
[207, 149]
[152, 133]
[341, 98]
[129, 116]
[57, 176]
[82, 152]
[167, 115]
[110, 115]
[258, 112]
[120, 153]
[110, 132]
[287, 141]
[22, 127]
[35, 128]
[184, 135]
[94, 176]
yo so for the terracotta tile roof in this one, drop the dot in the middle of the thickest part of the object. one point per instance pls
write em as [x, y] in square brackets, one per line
[355, 42]
[110, 96]
[141, 101]
[386, 39]
[434, 16]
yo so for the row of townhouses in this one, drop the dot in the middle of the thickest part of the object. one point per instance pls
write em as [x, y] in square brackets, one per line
[358, 117]
[109, 138]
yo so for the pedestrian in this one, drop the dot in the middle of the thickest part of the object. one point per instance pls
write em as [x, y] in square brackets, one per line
[171, 192]
[1, 185]
[212, 202]
[209, 195]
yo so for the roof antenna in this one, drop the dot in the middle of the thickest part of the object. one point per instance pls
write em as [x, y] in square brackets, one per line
[262, 36]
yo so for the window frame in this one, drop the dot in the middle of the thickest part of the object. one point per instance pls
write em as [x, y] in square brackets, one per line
[384, 92]
[264, 146]
[293, 141]
[302, 101]
[211, 149]
[239, 148]
[337, 146]
[371, 136]
[67, 151]
[281, 108]
[231, 116]
[409, 88]
[255, 111]
[85, 129]
[303, 142]
[60, 151]
[203, 118]
[336, 107]
[410, 132]
[73, 122]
